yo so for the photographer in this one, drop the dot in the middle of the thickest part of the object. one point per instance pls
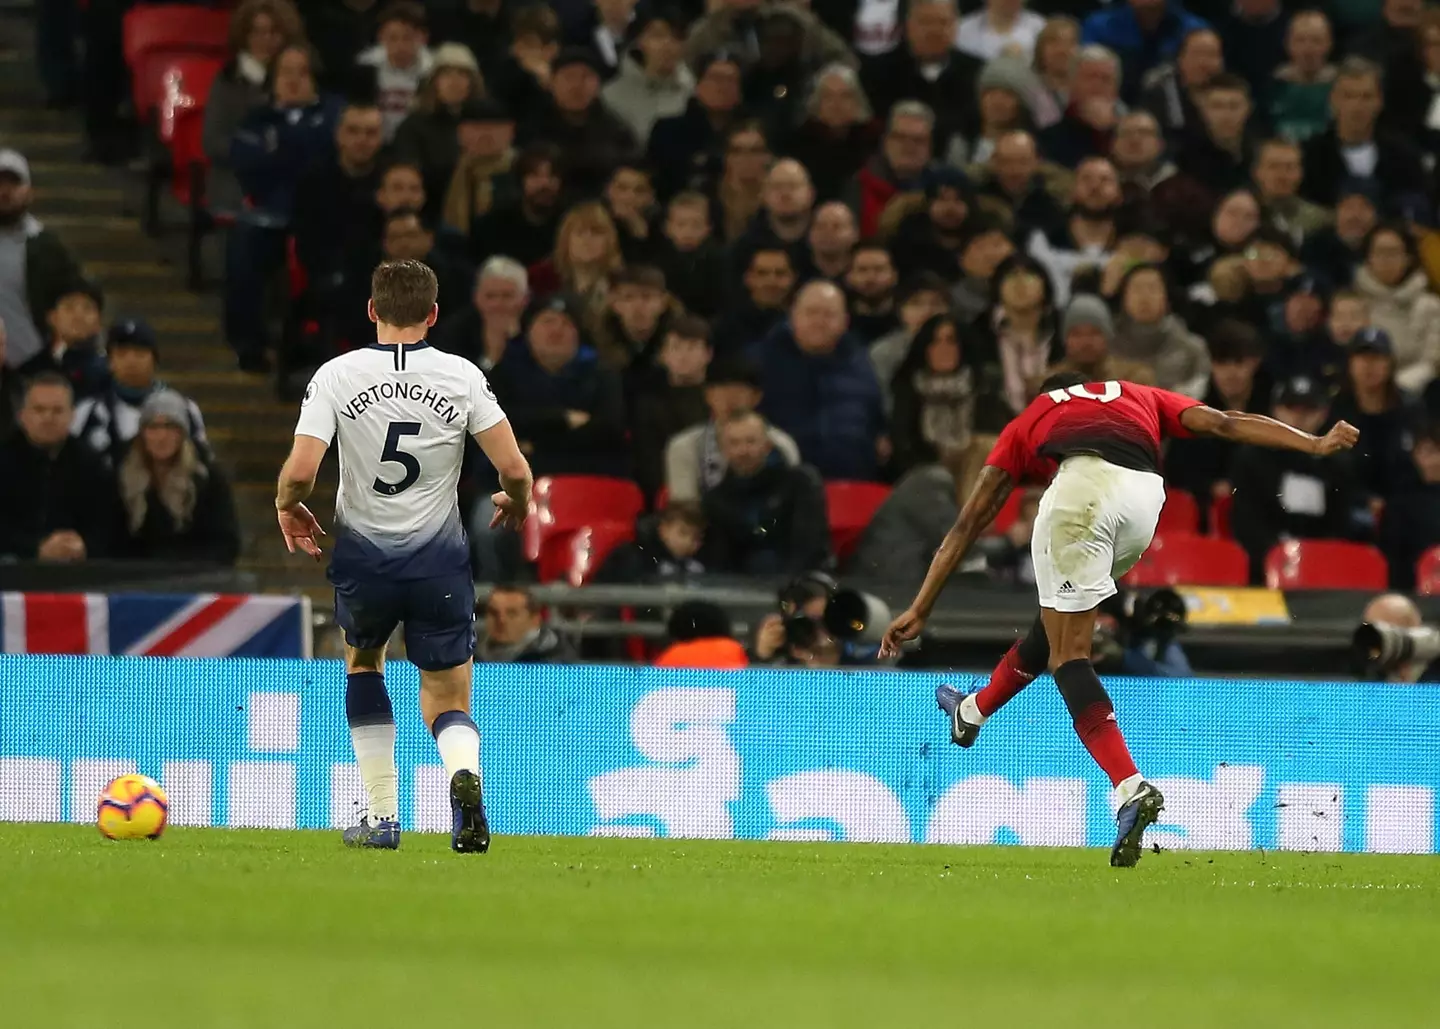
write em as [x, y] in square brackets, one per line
[1135, 635]
[1393, 644]
[820, 625]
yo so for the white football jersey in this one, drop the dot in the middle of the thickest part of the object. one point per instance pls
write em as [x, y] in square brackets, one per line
[400, 414]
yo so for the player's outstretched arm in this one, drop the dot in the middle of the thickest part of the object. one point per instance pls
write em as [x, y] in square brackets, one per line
[512, 503]
[989, 495]
[1257, 429]
[297, 480]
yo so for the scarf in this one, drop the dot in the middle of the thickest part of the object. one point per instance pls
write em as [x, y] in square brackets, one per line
[472, 188]
[1021, 361]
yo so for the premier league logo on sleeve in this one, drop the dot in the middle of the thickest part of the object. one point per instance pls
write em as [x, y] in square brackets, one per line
[309, 393]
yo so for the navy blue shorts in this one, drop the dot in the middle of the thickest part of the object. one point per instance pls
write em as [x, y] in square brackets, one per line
[438, 614]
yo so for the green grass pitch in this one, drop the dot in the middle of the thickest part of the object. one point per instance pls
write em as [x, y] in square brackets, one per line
[216, 928]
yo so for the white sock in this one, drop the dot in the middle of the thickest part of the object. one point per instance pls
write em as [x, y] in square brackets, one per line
[970, 711]
[1127, 788]
[375, 753]
[458, 741]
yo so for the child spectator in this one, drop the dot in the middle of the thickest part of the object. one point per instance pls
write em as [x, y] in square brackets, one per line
[670, 399]
[393, 69]
[73, 347]
[694, 261]
[522, 79]
[632, 328]
[664, 549]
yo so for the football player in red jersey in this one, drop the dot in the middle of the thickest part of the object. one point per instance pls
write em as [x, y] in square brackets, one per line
[1098, 446]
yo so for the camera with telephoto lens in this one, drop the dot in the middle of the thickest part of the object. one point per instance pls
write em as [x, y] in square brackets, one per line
[1377, 649]
[1130, 619]
[849, 616]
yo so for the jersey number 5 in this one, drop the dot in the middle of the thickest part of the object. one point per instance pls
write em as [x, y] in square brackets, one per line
[1110, 391]
[392, 452]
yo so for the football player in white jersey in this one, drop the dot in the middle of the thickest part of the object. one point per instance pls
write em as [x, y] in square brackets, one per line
[401, 411]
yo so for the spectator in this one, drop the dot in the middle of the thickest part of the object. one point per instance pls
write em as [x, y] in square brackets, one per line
[633, 327]
[1002, 28]
[701, 637]
[1278, 172]
[908, 527]
[838, 133]
[1087, 126]
[735, 198]
[1014, 179]
[1299, 93]
[927, 67]
[430, 134]
[259, 30]
[1172, 91]
[1395, 44]
[592, 139]
[482, 332]
[108, 421]
[1089, 234]
[830, 243]
[35, 267]
[568, 413]
[921, 297]
[335, 200]
[69, 494]
[670, 397]
[820, 388]
[484, 175]
[1429, 87]
[1318, 353]
[174, 505]
[1218, 157]
[905, 153]
[779, 82]
[526, 227]
[1143, 33]
[1386, 416]
[663, 551]
[1336, 251]
[929, 239]
[653, 82]
[521, 78]
[392, 71]
[787, 205]
[1284, 494]
[630, 200]
[691, 144]
[482, 26]
[1149, 180]
[1201, 464]
[1353, 146]
[769, 280]
[515, 632]
[271, 151]
[407, 237]
[940, 401]
[1005, 86]
[73, 347]
[733, 26]
[985, 247]
[870, 292]
[1149, 332]
[1255, 33]
[693, 260]
[340, 31]
[587, 254]
[694, 460]
[1021, 330]
[605, 27]
[1088, 332]
[1401, 302]
[1411, 524]
[1232, 228]
[764, 517]
[1055, 50]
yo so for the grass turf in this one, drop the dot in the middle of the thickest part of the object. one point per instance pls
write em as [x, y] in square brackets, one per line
[212, 928]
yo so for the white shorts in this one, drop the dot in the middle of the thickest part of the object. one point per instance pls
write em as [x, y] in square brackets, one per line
[1094, 522]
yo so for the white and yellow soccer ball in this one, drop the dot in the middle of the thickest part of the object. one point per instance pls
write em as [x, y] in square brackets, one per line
[132, 807]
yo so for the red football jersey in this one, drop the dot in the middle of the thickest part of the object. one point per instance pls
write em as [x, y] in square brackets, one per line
[1119, 421]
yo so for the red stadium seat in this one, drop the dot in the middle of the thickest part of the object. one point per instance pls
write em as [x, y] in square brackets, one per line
[1220, 516]
[1180, 514]
[155, 34]
[575, 556]
[1188, 559]
[1009, 511]
[564, 503]
[849, 507]
[1427, 573]
[1325, 565]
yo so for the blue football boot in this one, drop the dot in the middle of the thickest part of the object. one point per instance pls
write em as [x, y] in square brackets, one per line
[381, 834]
[470, 833]
[1135, 816]
[962, 733]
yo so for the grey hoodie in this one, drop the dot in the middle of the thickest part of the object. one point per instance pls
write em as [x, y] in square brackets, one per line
[640, 100]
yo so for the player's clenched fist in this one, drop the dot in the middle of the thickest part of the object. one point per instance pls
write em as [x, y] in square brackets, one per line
[1342, 436]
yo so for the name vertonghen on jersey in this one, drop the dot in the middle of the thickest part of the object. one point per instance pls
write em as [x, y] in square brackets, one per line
[413, 391]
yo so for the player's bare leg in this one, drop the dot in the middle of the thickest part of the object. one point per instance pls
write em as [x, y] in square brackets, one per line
[372, 735]
[445, 706]
[1071, 634]
[1027, 657]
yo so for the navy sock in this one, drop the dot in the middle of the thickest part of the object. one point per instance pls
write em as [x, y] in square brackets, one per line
[448, 718]
[366, 702]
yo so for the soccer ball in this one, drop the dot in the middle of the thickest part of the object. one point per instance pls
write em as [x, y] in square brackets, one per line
[132, 807]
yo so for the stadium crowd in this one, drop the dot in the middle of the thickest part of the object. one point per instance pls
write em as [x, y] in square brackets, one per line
[739, 250]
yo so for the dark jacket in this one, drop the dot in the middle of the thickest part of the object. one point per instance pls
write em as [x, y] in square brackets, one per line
[506, 230]
[339, 33]
[661, 410]
[1117, 28]
[1382, 457]
[211, 537]
[829, 404]
[1398, 171]
[487, 36]
[1036, 211]
[896, 76]
[1070, 140]
[71, 489]
[696, 277]
[428, 138]
[1315, 356]
[82, 365]
[545, 647]
[592, 148]
[772, 523]
[916, 247]
[1253, 50]
[741, 325]
[335, 213]
[1211, 166]
[1196, 463]
[1258, 518]
[903, 533]
[1325, 253]
[232, 97]
[273, 148]
[463, 334]
[1410, 527]
[50, 270]
[832, 160]
[536, 402]
[645, 560]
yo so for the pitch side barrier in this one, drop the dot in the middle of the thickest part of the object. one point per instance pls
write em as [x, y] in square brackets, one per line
[651, 752]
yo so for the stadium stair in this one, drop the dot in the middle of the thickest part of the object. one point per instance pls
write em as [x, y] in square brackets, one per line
[95, 211]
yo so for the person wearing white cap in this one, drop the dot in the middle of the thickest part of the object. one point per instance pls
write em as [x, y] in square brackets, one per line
[429, 136]
[35, 267]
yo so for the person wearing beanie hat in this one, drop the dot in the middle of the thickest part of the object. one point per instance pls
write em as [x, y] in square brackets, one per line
[429, 135]
[652, 80]
[1005, 89]
[1087, 330]
[109, 420]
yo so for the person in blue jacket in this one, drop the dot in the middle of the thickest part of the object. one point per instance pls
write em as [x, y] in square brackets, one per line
[1144, 33]
[820, 387]
[270, 152]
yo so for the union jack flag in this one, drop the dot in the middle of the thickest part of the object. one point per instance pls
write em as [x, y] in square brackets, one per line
[155, 625]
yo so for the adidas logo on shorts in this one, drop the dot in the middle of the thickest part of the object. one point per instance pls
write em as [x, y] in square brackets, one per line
[1066, 587]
